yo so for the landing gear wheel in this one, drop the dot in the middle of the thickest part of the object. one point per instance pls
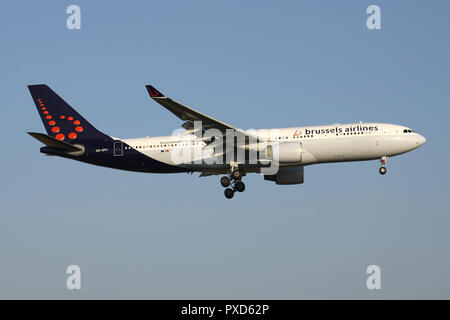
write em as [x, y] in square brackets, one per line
[236, 174]
[383, 170]
[229, 193]
[225, 181]
[239, 186]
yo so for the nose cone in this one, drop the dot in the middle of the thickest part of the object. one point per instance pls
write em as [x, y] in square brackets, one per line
[420, 140]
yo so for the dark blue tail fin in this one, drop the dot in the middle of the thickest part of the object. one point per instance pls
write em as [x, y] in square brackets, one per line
[60, 120]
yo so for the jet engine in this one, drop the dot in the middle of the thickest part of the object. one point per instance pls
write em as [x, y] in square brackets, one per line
[287, 152]
[287, 176]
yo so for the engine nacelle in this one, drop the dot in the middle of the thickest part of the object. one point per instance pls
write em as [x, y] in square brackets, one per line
[287, 176]
[288, 152]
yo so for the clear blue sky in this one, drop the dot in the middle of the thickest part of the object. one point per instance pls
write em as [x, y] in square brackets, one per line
[253, 64]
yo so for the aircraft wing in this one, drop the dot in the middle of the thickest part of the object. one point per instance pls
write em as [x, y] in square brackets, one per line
[190, 115]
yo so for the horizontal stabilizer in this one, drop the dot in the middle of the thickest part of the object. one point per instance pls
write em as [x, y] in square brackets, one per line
[55, 143]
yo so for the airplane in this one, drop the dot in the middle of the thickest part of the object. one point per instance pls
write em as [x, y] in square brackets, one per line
[278, 154]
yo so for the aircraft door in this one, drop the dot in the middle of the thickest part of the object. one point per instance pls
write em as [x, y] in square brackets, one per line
[118, 148]
[301, 152]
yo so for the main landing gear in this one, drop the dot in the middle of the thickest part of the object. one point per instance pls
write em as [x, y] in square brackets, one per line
[383, 169]
[234, 180]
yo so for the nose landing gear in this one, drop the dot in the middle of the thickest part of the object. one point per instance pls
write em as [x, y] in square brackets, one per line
[383, 169]
[234, 180]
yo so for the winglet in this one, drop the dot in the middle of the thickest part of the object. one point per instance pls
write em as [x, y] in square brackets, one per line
[153, 92]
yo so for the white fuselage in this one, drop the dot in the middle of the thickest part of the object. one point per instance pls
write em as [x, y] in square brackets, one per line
[319, 144]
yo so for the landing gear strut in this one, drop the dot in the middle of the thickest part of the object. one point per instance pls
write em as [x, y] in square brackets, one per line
[234, 180]
[383, 169]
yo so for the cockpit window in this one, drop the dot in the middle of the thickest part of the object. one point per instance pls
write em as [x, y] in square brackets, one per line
[407, 131]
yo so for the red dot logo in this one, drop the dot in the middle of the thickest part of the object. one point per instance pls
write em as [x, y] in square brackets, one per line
[55, 129]
[60, 136]
[62, 117]
[72, 135]
[70, 118]
[45, 112]
[43, 108]
[76, 122]
[52, 123]
[79, 129]
[48, 117]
